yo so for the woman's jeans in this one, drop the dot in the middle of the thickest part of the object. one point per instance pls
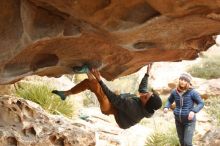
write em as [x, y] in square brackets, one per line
[185, 131]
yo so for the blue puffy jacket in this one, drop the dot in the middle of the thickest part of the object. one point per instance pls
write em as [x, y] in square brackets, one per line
[185, 103]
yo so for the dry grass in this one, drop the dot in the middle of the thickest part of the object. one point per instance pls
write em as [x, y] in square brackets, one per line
[207, 68]
[41, 94]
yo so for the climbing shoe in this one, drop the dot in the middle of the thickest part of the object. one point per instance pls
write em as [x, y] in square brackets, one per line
[60, 93]
[81, 69]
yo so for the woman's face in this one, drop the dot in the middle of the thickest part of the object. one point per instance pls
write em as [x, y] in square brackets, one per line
[183, 83]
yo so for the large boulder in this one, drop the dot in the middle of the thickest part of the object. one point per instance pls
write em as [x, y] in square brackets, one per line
[49, 37]
[27, 124]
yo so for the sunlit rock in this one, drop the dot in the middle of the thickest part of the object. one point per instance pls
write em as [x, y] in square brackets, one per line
[49, 37]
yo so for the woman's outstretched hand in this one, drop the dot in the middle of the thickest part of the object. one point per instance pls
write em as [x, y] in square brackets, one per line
[165, 110]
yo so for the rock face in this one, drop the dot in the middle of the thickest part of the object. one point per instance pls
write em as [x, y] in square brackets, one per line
[49, 37]
[26, 124]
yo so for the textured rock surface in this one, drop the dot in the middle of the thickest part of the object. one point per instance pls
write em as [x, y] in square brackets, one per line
[49, 37]
[26, 124]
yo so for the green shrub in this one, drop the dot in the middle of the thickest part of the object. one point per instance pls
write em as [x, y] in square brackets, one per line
[163, 138]
[207, 68]
[213, 106]
[41, 94]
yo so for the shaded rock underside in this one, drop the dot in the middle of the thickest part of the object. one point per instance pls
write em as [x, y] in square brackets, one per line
[49, 37]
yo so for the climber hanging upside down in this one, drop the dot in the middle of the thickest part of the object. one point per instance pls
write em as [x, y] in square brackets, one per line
[128, 109]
